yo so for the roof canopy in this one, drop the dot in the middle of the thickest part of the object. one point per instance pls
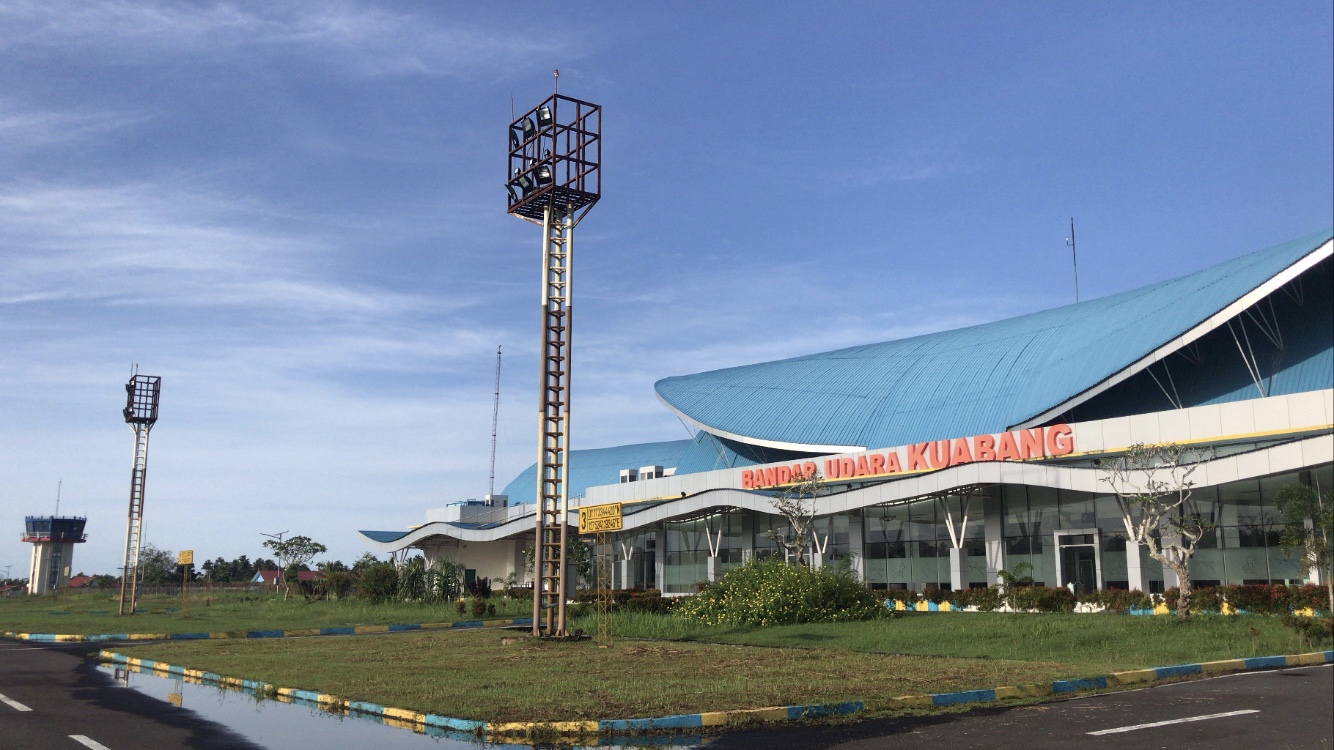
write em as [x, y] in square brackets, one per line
[980, 379]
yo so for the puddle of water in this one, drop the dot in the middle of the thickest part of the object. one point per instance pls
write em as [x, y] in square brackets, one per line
[299, 725]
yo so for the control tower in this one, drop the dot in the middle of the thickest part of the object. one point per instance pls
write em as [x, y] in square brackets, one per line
[52, 539]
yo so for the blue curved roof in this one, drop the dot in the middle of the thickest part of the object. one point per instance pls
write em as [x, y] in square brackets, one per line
[598, 466]
[974, 380]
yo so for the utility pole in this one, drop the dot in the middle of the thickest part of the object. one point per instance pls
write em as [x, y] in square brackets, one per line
[495, 416]
[1074, 258]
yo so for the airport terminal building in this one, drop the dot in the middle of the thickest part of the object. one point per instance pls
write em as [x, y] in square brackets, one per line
[950, 456]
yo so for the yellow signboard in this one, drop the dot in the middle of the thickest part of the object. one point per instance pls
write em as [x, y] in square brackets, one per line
[186, 557]
[594, 519]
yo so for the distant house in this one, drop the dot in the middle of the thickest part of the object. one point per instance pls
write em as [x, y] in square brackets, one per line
[12, 589]
[275, 577]
[78, 582]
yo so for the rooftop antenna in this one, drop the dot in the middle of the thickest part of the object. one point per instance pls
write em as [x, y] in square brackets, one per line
[58, 483]
[1074, 258]
[495, 415]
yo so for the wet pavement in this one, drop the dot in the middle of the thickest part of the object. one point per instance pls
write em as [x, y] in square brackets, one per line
[296, 725]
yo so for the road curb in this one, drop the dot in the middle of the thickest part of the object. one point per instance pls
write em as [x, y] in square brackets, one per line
[446, 726]
[294, 633]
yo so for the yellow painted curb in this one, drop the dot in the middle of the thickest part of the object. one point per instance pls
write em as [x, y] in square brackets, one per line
[1131, 677]
[403, 714]
[1302, 660]
[523, 728]
[720, 718]
[1022, 691]
[1225, 665]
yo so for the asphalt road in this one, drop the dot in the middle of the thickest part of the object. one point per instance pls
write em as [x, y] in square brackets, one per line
[1290, 708]
[52, 697]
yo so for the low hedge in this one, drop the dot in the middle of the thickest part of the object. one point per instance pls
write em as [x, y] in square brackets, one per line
[1258, 599]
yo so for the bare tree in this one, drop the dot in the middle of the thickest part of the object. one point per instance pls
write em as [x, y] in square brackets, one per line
[1152, 484]
[797, 505]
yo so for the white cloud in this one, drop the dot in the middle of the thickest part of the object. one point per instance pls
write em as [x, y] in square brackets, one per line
[361, 39]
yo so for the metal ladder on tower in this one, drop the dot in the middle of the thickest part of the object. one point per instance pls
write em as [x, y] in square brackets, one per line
[129, 581]
[554, 424]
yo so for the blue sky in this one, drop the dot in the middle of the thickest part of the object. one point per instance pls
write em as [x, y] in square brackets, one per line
[294, 213]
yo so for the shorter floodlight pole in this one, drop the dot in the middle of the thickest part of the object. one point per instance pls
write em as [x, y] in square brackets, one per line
[141, 404]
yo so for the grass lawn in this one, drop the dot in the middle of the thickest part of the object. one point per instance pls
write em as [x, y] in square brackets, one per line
[94, 612]
[473, 675]
[1097, 643]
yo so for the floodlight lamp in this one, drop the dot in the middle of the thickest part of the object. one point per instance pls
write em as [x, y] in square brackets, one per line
[514, 196]
[514, 139]
[544, 117]
[544, 175]
[525, 183]
[529, 129]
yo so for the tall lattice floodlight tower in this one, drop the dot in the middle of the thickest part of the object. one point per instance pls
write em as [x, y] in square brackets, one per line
[52, 539]
[554, 178]
[141, 401]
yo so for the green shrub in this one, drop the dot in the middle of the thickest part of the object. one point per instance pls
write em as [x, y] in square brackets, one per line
[1314, 631]
[477, 606]
[772, 592]
[985, 599]
[1311, 595]
[1043, 599]
[1118, 600]
[379, 583]
[1207, 600]
[907, 596]
[335, 585]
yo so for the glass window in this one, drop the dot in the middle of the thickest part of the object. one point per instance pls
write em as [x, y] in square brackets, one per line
[1077, 510]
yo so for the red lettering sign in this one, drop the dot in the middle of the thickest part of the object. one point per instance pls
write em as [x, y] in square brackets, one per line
[892, 465]
[917, 456]
[1060, 440]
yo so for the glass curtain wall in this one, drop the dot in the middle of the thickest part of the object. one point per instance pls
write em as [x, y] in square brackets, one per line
[908, 546]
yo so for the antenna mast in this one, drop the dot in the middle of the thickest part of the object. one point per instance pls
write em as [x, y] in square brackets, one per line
[1074, 258]
[495, 414]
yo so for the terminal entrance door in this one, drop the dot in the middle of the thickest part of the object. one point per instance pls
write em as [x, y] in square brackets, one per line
[1079, 559]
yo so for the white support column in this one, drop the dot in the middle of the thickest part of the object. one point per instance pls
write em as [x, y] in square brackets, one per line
[660, 559]
[993, 528]
[715, 542]
[857, 545]
[627, 557]
[956, 569]
[1135, 567]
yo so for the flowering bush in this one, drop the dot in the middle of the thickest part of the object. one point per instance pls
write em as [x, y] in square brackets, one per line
[772, 592]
